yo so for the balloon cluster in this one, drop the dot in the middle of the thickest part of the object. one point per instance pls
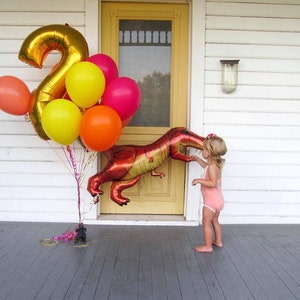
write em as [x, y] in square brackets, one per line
[91, 103]
[100, 103]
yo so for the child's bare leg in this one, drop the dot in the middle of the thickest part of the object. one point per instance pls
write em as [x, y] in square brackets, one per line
[217, 230]
[207, 217]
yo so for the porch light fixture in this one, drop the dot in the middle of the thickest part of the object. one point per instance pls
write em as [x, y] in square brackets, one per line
[229, 75]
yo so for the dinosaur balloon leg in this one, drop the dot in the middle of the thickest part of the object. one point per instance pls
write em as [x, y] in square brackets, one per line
[127, 163]
[118, 186]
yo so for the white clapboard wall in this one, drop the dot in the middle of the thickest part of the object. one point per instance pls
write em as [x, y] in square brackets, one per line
[35, 183]
[261, 119]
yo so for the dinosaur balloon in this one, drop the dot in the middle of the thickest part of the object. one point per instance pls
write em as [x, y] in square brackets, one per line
[126, 163]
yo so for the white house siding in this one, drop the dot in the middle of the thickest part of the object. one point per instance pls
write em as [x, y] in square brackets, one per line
[260, 121]
[35, 185]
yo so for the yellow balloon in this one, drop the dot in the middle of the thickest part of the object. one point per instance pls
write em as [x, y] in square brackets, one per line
[61, 121]
[85, 84]
[34, 50]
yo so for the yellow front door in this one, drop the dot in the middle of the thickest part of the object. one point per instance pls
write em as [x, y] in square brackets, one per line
[149, 43]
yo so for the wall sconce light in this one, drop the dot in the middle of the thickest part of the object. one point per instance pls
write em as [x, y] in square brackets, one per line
[229, 75]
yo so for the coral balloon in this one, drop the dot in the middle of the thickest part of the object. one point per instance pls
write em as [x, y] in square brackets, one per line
[85, 84]
[34, 51]
[100, 128]
[106, 64]
[14, 95]
[123, 95]
[61, 121]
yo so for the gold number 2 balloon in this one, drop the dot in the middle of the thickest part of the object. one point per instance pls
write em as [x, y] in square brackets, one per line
[34, 51]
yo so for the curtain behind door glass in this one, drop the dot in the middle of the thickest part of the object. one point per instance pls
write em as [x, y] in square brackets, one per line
[145, 56]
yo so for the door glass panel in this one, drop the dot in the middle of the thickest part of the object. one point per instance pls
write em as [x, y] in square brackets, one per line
[145, 56]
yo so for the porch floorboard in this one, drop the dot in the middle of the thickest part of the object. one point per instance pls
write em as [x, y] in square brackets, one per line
[149, 262]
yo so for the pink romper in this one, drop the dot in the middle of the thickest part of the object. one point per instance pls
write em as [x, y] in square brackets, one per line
[212, 197]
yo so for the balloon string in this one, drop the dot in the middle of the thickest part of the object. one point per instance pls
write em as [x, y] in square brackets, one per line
[68, 159]
[84, 162]
[60, 158]
[78, 169]
[77, 177]
[88, 163]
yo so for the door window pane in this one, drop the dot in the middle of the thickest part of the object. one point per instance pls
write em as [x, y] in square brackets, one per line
[145, 56]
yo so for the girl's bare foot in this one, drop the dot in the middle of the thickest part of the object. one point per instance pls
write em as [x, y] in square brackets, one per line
[217, 244]
[204, 249]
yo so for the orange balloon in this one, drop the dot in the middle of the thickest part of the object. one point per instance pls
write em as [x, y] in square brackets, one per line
[14, 95]
[100, 128]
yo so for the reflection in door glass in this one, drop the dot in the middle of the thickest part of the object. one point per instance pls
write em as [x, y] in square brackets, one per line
[145, 56]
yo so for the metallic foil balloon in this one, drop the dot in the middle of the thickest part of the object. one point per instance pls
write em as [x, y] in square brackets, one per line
[34, 51]
[127, 163]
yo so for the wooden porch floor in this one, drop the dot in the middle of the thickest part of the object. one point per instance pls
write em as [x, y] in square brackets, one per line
[148, 262]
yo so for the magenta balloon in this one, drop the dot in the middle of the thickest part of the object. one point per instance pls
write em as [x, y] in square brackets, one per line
[106, 64]
[123, 95]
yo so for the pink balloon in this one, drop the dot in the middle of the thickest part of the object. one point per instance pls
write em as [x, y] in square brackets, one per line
[14, 95]
[123, 95]
[107, 65]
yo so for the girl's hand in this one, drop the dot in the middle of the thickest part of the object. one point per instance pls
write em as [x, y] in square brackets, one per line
[195, 181]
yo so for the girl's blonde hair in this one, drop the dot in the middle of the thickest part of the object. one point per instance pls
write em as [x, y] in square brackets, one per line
[217, 148]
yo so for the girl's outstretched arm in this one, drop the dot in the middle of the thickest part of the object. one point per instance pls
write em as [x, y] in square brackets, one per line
[199, 160]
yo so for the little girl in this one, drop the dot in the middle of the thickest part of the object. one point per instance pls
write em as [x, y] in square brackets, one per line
[213, 202]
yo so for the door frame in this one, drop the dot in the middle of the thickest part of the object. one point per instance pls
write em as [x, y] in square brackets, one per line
[196, 67]
[152, 196]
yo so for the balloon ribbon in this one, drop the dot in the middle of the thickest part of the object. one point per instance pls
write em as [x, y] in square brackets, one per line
[65, 237]
[77, 178]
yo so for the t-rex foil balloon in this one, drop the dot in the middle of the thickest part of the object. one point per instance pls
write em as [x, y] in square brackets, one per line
[126, 163]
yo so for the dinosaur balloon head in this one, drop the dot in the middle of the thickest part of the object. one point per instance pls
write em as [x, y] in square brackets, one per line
[183, 138]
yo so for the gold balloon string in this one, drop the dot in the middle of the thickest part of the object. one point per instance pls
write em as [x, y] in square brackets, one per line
[88, 163]
[62, 160]
[84, 161]
[77, 159]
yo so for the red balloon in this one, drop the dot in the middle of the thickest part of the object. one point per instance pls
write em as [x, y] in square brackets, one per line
[14, 96]
[100, 128]
[123, 95]
[106, 64]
